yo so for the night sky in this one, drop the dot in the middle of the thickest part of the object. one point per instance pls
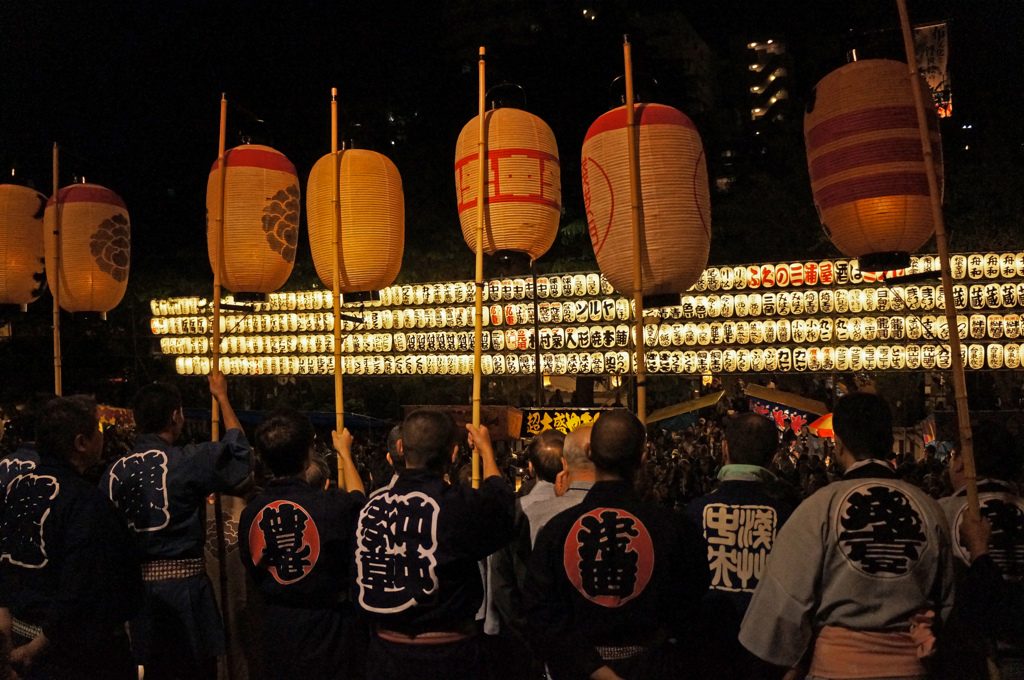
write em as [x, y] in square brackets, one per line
[131, 91]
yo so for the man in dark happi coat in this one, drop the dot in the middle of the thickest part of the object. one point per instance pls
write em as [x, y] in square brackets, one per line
[297, 542]
[987, 623]
[417, 551]
[161, 490]
[613, 581]
[739, 521]
[69, 576]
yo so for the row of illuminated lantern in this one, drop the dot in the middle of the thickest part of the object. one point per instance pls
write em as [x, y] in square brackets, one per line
[842, 358]
[839, 301]
[844, 329]
[827, 273]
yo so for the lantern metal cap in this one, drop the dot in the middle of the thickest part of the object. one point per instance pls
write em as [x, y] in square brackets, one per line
[884, 261]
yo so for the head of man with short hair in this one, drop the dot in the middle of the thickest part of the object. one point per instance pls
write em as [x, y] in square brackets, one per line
[995, 455]
[157, 410]
[545, 454]
[394, 453]
[862, 423]
[429, 440]
[70, 429]
[617, 443]
[750, 439]
[284, 442]
[574, 451]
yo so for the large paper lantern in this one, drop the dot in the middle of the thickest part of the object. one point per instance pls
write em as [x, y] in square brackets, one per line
[524, 186]
[95, 235]
[261, 218]
[372, 222]
[675, 200]
[21, 244]
[866, 166]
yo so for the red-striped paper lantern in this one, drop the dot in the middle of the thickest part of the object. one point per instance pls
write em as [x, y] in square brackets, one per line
[261, 218]
[675, 200]
[866, 166]
[524, 186]
[372, 224]
[95, 237]
[21, 244]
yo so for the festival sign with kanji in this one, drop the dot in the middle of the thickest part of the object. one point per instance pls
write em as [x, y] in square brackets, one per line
[740, 538]
[931, 43]
[565, 420]
[609, 556]
[396, 546]
[284, 539]
[881, 530]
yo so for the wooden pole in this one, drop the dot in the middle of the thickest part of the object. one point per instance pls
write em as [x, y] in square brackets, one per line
[634, 205]
[959, 382]
[218, 262]
[538, 379]
[339, 402]
[481, 199]
[58, 377]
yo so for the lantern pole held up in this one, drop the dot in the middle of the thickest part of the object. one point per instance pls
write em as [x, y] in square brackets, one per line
[634, 204]
[218, 254]
[480, 207]
[959, 382]
[339, 403]
[218, 257]
[58, 378]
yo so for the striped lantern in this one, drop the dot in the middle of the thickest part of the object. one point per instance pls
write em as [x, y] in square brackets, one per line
[372, 224]
[261, 218]
[675, 200]
[866, 166]
[524, 186]
[95, 235]
[21, 244]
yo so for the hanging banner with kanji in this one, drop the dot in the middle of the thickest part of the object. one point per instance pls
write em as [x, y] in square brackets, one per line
[565, 420]
[931, 43]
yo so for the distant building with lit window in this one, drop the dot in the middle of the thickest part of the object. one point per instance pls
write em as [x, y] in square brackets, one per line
[769, 73]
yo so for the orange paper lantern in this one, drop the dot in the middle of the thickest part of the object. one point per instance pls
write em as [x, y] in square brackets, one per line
[866, 166]
[21, 244]
[261, 218]
[524, 186]
[95, 235]
[372, 224]
[675, 200]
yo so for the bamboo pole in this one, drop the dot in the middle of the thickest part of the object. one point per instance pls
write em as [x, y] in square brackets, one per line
[218, 507]
[218, 258]
[339, 403]
[481, 199]
[959, 382]
[634, 205]
[58, 367]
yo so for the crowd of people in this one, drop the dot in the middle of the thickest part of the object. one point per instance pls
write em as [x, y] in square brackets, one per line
[723, 550]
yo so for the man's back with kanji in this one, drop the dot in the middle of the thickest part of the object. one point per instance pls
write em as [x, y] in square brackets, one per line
[857, 566]
[612, 578]
[417, 551]
[161, 490]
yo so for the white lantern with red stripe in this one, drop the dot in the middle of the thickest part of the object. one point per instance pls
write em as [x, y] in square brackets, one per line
[261, 218]
[866, 165]
[524, 186]
[675, 199]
